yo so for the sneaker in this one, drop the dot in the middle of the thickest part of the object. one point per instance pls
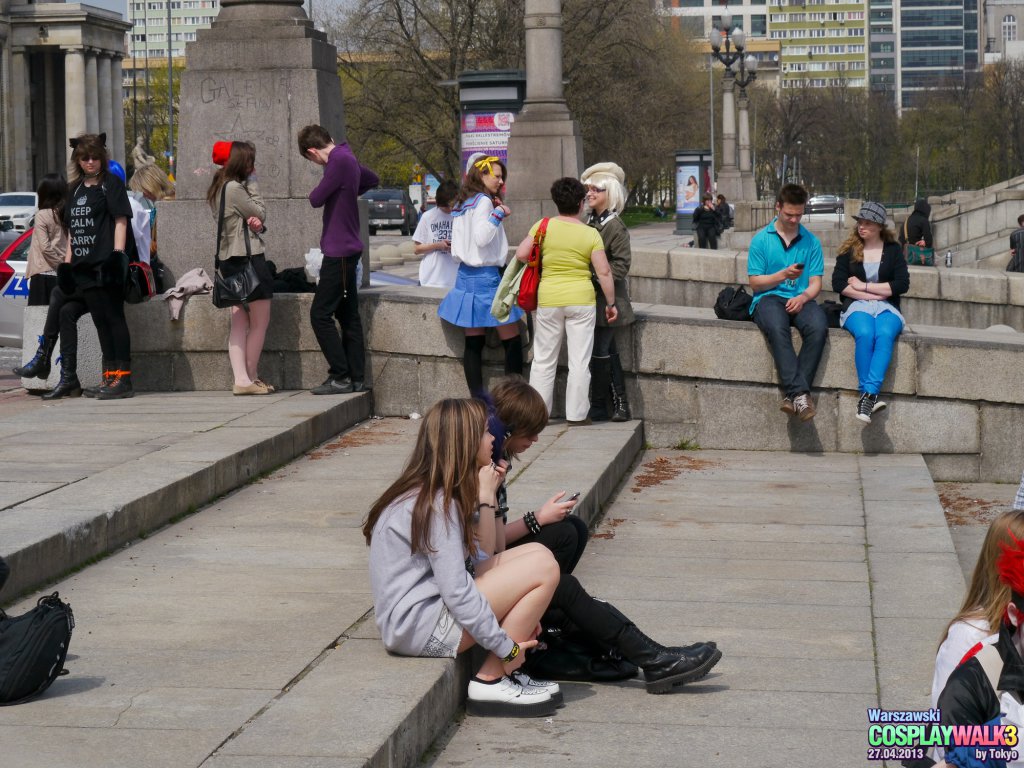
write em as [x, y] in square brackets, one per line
[880, 405]
[787, 406]
[360, 386]
[333, 386]
[803, 406]
[507, 698]
[865, 407]
[529, 684]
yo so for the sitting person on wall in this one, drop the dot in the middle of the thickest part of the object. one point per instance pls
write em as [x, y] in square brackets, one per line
[1017, 247]
[706, 223]
[871, 274]
[433, 239]
[917, 230]
[785, 265]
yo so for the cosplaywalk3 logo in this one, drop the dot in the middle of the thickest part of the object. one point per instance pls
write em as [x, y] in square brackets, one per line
[909, 734]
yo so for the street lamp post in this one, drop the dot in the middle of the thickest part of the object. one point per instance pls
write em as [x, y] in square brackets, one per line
[727, 45]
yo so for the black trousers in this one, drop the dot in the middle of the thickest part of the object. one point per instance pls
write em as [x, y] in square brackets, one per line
[62, 318]
[337, 298]
[106, 305]
[566, 540]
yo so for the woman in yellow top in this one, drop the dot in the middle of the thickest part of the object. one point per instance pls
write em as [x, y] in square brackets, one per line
[566, 301]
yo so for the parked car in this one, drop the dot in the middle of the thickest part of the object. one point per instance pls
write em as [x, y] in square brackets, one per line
[825, 204]
[18, 208]
[13, 289]
[391, 209]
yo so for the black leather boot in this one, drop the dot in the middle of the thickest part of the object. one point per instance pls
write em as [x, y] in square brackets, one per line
[600, 388]
[68, 385]
[93, 391]
[119, 382]
[39, 366]
[620, 405]
[664, 668]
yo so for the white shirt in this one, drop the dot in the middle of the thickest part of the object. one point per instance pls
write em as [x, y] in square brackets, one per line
[438, 268]
[962, 636]
[478, 238]
[140, 224]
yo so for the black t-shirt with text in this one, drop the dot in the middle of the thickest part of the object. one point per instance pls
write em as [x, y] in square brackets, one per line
[90, 214]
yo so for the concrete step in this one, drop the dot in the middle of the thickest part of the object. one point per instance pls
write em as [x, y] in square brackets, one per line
[83, 477]
[243, 635]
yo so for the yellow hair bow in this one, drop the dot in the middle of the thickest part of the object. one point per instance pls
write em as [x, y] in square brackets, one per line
[484, 164]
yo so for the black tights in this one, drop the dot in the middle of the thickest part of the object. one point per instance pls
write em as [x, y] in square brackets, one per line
[106, 305]
[62, 318]
[473, 360]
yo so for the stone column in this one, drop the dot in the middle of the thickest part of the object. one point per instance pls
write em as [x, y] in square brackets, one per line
[729, 183]
[20, 148]
[747, 182]
[116, 146]
[545, 142]
[53, 155]
[104, 114]
[74, 95]
[92, 118]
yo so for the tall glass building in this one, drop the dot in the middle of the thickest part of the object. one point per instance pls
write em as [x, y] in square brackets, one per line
[937, 44]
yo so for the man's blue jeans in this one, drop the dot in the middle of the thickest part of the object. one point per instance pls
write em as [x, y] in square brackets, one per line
[874, 338]
[796, 372]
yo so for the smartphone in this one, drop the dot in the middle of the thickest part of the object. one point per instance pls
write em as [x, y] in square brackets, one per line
[574, 496]
[799, 266]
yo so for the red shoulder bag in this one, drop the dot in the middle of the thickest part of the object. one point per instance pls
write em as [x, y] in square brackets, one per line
[530, 282]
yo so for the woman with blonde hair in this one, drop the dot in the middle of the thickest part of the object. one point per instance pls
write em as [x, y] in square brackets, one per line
[234, 192]
[480, 247]
[429, 598]
[606, 197]
[870, 275]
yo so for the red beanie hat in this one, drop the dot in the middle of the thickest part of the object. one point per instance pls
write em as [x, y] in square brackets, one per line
[221, 151]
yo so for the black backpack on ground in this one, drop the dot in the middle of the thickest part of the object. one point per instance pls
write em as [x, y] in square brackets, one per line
[733, 304]
[33, 647]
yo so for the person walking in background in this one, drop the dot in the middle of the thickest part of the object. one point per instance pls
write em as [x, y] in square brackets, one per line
[45, 255]
[566, 302]
[785, 265]
[337, 292]
[1016, 263]
[97, 215]
[606, 197]
[480, 246]
[433, 239]
[234, 192]
[706, 223]
[870, 275]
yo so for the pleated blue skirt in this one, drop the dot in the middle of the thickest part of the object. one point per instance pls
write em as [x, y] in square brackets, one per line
[468, 304]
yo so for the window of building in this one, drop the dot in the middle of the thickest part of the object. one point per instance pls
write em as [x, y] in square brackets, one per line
[759, 24]
[156, 6]
[190, 37]
[1009, 27]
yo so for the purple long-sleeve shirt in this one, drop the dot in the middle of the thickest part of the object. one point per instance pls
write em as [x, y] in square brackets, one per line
[344, 180]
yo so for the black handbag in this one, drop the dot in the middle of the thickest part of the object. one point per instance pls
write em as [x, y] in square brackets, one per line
[733, 304]
[33, 648]
[232, 290]
[140, 285]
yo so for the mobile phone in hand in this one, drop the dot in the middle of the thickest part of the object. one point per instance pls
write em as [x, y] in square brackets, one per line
[799, 266]
[574, 496]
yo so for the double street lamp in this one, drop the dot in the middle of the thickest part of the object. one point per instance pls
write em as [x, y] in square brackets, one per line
[728, 45]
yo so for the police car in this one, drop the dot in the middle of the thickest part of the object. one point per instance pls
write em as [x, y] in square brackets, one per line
[13, 289]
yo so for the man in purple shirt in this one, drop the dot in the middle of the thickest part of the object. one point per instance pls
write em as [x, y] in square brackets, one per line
[337, 293]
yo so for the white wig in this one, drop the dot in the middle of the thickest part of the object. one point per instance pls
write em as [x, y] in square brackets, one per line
[612, 178]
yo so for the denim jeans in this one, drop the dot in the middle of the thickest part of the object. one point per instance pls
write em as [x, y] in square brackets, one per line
[796, 372]
[874, 338]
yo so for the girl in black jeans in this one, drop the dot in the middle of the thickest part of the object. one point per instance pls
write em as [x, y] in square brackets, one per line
[97, 216]
[520, 417]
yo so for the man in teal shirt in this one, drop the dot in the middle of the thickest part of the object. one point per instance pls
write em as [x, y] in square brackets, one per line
[785, 265]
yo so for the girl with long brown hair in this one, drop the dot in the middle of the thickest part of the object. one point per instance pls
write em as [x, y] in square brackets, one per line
[480, 246]
[429, 600]
[244, 211]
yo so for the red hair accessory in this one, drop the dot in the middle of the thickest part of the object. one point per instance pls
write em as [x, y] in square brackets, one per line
[221, 152]
[1010, 565]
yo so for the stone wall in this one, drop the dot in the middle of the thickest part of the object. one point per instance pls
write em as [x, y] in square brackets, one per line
[953, 394]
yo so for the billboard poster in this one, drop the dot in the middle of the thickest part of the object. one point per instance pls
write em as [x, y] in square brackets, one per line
[486, 132]
[687, 188]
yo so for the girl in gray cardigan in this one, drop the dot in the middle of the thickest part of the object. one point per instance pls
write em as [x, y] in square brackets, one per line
[427, 599]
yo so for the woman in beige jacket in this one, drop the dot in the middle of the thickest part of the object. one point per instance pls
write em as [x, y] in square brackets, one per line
[244, 213]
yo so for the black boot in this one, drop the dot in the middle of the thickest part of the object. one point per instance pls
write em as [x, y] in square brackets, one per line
[600, 388]
[119, 382]
[93, 391]
[665, 668]
[68, 385]
[619, 402]
[39, 366]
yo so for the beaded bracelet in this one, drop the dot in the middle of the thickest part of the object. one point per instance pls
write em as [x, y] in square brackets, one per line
[531, 523]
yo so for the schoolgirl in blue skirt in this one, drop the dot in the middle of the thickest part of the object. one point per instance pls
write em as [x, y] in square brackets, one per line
[481, 248]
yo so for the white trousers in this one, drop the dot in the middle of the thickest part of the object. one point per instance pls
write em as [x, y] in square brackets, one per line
[577, 323]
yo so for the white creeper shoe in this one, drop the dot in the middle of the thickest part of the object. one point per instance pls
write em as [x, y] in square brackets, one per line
[529, 684]
[507, 698]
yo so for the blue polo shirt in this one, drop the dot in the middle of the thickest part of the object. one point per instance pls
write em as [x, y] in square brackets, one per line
[768, 254]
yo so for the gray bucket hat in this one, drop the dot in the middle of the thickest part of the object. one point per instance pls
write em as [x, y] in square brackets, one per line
[870, 211]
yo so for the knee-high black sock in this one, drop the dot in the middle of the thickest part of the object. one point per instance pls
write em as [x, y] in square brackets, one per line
[473, 363]
[513, 354]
